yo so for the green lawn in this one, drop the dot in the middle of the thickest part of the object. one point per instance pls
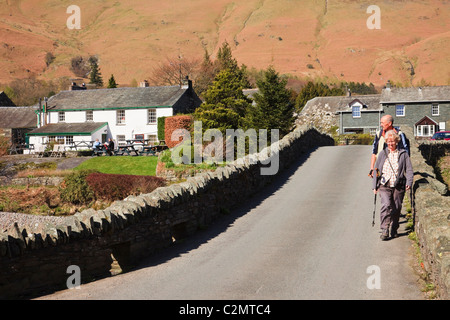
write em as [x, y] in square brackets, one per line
[142, 166]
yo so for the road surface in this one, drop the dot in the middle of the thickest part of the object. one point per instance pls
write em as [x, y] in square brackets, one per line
[308, 236]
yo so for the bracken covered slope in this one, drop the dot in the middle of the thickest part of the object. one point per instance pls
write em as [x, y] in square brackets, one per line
[321, 39]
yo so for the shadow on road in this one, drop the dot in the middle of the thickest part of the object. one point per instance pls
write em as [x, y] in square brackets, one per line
[222, 223]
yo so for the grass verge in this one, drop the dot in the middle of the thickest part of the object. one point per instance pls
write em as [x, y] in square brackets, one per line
[140, 166]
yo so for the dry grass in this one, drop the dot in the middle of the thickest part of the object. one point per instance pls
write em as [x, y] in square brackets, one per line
[33, 173]
[41, 201]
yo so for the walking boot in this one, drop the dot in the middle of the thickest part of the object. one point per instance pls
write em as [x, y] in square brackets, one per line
[384, 234]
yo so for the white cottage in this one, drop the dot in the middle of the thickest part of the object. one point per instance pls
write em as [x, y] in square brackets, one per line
[120, 113]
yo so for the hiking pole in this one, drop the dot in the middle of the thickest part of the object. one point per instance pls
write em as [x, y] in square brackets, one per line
[374, 206]
[413, 208]
[377, 172]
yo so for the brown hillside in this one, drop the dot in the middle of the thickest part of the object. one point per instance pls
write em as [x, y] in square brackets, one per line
[132, 37]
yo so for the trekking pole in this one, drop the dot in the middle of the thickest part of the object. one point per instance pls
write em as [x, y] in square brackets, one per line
[374, 206]
[413, 208]
[377, 173]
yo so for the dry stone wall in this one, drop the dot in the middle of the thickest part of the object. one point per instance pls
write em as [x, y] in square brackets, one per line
[432, 215]
[35, 257]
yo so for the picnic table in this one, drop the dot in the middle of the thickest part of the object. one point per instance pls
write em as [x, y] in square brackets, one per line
[100, 150]
[148, 150]
[126, 149]
[81, 144]
[138, 141]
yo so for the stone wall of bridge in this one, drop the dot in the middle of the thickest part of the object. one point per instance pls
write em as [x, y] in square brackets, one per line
[432, 213]
[35, 257]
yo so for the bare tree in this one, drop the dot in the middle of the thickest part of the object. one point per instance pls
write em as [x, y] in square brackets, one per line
[174, 69]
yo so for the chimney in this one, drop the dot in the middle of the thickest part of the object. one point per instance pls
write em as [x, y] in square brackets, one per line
[74, 86]
[388, 84]
[143, 84]
[186, 83]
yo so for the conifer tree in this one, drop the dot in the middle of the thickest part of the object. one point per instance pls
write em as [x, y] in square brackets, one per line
[95, 76]
[112, 82]
[312, 90]
[225, 103]
[273, 107]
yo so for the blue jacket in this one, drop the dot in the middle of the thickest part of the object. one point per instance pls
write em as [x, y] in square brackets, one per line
[403, 143]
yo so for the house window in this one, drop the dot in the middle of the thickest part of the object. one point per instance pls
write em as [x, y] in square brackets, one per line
[151, 116]
[69, 139]
[400, 110]
[356, 112]
[120, 116]
[373, 131]
[152, 138]
[120, 138]
[425, 130]
[435, 110]
[89, 115]
[60, 140]
[61, 116]
[51, 138]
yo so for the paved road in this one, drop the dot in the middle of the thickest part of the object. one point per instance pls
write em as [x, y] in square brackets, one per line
[307, 237]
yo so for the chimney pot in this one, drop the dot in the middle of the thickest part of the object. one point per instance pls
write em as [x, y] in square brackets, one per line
[144, 84]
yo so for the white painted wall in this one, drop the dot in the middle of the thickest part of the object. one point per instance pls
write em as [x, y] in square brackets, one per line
[136, 121]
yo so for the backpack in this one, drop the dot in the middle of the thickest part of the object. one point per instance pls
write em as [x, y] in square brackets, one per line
[403, 139]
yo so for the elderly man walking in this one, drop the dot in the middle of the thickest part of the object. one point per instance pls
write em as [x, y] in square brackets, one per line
[379, 143]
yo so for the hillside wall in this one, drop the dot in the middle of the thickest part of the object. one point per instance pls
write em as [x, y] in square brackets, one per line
[105, 242]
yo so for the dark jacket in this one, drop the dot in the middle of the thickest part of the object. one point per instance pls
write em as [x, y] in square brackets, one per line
[404, 168]
[402, 144]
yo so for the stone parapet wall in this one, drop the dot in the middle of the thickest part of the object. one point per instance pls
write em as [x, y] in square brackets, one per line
[432, 215]
[31, 181]
[103, 242]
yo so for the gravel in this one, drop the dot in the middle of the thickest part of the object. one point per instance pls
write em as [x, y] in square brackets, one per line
[7, 219]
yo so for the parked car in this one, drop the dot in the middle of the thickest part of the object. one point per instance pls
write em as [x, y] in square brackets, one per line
[441, 135]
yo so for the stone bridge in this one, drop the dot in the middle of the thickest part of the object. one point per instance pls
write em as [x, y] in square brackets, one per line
[35, 258]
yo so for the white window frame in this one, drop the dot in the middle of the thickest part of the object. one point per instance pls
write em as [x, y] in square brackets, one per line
[426, 130]
[400, 110]
[152, 138]
[121, 140]
[61, 116]
[120, 117]
[356, 112]
[151, 116]
[89, 115]
[69, 140]
[434, 106]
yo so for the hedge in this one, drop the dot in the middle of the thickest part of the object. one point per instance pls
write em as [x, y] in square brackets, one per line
[173, 123]
[117, 186]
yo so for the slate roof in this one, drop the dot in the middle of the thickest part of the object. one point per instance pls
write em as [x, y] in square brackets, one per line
[18, 117]
[68, 128]
[412, 94]
[117, 98]
[336, 104]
